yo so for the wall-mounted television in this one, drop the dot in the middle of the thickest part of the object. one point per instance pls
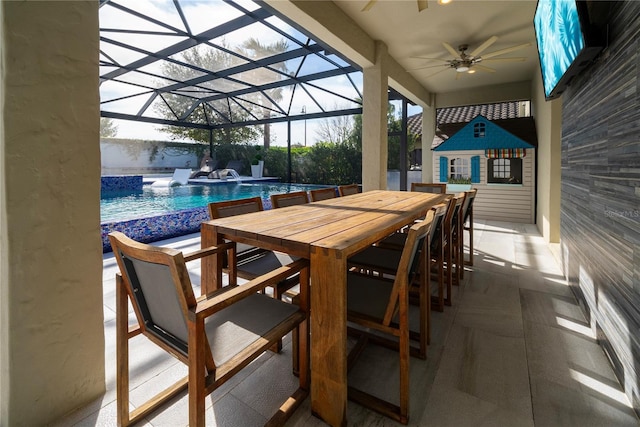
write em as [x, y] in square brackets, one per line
[568, 40]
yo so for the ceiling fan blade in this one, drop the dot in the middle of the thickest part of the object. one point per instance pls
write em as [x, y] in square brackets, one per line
[507, 50]
[518, 59]
[437, 72]
[369, 5]
[451, 50]
[429, 59]
[428, 66]
[483, 68]
[422, 5]
[491, 40]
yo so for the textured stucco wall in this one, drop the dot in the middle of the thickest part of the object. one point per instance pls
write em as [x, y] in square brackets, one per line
[4, 321]
[52, 335]
[124, 156]
[548, 119]
[374, 122]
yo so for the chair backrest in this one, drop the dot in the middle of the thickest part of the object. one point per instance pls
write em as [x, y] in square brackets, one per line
[159, 287]
[429, 187]
[458, 213]
[236, 165]
[346, 190]
[451, 207]
[417, 240]
[209, 165]
[289, 199]
[229, 208]
[453, 213]
[322, 194]
[216, 164]
[467, 207]
[439, 212]
[181, 176]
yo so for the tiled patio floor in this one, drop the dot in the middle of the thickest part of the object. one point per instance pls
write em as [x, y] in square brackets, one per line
[513, 350]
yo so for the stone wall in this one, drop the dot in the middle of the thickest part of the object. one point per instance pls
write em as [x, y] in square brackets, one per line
[600, 208]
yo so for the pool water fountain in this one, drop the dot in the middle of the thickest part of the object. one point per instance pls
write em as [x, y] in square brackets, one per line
[235, 175]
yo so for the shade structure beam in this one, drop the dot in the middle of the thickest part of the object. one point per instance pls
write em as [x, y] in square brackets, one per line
[212, 33]
[234, 86]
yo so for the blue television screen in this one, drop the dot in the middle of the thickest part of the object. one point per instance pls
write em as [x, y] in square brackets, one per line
[560, 40]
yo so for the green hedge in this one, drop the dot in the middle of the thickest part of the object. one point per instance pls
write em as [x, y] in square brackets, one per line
[322, 163]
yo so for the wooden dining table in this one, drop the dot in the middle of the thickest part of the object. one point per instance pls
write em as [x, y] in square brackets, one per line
[327, 233]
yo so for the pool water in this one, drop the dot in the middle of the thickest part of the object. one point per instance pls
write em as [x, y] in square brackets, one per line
[125, 205]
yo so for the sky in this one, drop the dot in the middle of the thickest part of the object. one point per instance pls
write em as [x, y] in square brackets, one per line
[200, 17]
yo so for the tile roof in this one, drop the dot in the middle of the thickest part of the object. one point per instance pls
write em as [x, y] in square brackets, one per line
[503, 110]
[452, 119]
[464, 114]
[492, 137]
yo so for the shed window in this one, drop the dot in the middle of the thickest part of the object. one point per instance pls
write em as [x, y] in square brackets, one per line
[479, 130]
[459, 168]
[504, 171]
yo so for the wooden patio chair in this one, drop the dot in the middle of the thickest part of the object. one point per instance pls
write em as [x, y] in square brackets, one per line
[382, 305]
[253, 262]
[229, 208]
[346, 190]
[442, 249]
[467, 221]
[438, 255]
[216, 335]
[289, 199]
[385, 262]
[383, 259]
[453, 239]
[322, 194]
[429, 187]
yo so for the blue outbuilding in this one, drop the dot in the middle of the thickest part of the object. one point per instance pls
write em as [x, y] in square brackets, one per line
[496, 162]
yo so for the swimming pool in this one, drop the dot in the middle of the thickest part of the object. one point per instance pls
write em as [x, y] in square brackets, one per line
[149, 214]
[122, 205]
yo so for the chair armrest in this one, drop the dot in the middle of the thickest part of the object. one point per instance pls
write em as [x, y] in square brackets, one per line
[216, 302]
[211, 250]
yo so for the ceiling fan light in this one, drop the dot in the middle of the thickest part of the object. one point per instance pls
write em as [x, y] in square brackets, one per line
[471, 71]
[462, 68]
[444, 1]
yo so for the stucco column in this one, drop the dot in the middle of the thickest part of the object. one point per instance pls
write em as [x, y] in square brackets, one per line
[548, 119]
[428, 133]
[51, 311]
[374, 122]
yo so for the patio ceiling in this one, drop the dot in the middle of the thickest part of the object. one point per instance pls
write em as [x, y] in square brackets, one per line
[415, 38]
[216, 64]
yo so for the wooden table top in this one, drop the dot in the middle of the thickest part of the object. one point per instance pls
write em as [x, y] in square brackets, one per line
[346, 224]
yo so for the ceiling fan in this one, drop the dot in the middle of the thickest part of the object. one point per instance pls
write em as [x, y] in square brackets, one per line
[422, 5]
[464, 62]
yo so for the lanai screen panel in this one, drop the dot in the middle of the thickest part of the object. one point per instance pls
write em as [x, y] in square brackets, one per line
[216, 64]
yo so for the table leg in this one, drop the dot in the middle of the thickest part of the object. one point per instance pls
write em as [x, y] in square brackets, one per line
[211, 274]
[329, 336]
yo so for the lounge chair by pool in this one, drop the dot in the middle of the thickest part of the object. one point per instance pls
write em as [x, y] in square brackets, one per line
[209, 166]
[222, 173]
[180, 177]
